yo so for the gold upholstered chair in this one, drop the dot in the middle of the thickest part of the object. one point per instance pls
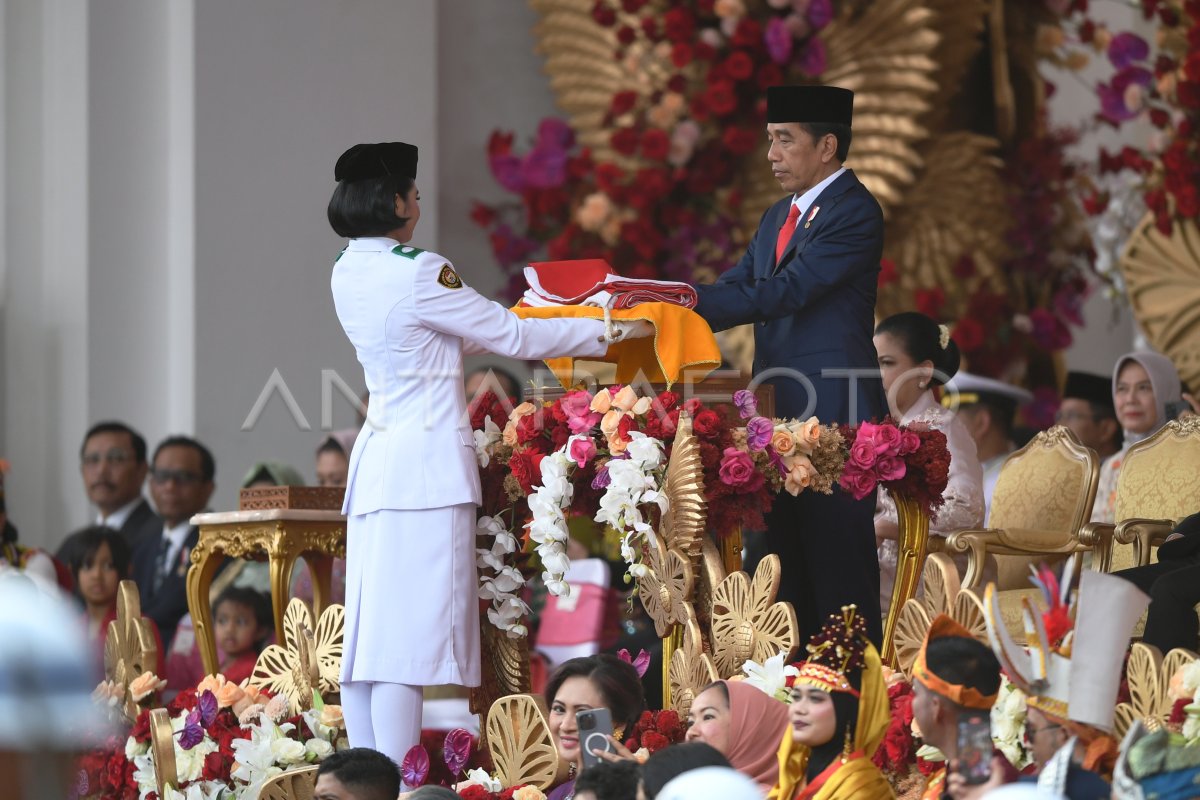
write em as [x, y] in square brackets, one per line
[1158, 485]
[1041, 503]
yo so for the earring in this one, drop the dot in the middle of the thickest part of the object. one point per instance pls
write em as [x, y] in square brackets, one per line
[571, 770]
[848, 747]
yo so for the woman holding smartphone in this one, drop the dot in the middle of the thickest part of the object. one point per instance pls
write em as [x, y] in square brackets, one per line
[413, 481]
[839, 715]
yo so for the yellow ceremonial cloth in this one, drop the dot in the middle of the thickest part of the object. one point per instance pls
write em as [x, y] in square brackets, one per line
[682, 339]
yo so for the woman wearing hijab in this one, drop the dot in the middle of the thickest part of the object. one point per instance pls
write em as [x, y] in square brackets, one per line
[333, 457]
[744, 724]
[839, 714]
[1145, 385]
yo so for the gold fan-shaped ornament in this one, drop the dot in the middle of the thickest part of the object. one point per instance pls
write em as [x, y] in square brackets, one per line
[683, 522]
[297, 784]
[130, 647]
[958, 205]
[941, 588]
[518, 736]
[691, 669]
[1162, 278]
[746, 622]
[1149, 676]
[960, 23]
[665, 588]
[968, 612]
[310, 657]
[162, 750]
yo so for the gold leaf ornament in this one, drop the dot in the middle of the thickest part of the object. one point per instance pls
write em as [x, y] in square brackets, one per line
[691, 669]
[519, 740]
[1149, 675]
[746, 622]
[130, 647]
[683, 523]
[310, 657]
[665, 587]
[941, 586]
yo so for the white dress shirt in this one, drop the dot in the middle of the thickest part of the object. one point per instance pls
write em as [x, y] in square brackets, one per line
[118, 518]
[175, 538]
[804, 201]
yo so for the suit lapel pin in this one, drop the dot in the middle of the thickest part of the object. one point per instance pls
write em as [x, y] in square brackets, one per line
[811, 215]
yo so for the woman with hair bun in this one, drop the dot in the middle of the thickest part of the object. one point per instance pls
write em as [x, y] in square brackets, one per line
[917, 355]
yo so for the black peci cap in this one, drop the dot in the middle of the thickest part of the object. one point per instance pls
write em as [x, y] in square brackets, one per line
[376, 160]
[828, 104]
[1093, 388]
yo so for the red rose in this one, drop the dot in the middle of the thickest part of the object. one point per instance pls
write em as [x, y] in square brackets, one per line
[655, 144]
[529, 428]
[1187, 201]
[677, 84]
[692, 405]
[705, 51]
[887, 272]
[526, 467]
[667, 400]
[632, 6]
[474, 792]
[653, 184]
[721, 98]
[738, 66]
[739, 140]
[604, 15]
[929, 301]
[707, 424]
[1188, 94]
[609, 177]
[626, 35]
[622, 102]
[678, 24]
[624, 141]
[769, 74]
[698, 108]
[681, 55]
[217, 767]
[749, 34]
[650, 29]
[654, 741]
[968, 334]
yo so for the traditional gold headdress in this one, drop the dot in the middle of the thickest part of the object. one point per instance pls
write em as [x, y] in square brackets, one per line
[836, 651]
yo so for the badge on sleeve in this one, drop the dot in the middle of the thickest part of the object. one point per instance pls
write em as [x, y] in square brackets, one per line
[449, 278]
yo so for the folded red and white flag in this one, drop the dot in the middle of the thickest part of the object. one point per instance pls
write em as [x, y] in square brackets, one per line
[593, 282]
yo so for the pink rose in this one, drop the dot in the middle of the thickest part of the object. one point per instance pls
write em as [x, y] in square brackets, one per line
[909, 443]
[581, 450]
[890, 468]
[577, 408]
[887, 440]
[737, 468]
[862, 452]
[857, 482]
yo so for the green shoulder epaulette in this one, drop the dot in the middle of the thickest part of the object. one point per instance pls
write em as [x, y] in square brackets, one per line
[408, 251]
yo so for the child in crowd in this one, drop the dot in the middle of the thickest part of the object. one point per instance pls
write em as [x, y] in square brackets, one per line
[102, 562]
[241, 622]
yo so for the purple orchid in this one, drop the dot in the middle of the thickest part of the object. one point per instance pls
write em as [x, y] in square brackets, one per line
[820, 13]
[778, 40]
[1125, 49]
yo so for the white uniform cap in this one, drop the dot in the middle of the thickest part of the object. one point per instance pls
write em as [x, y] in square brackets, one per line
[711, 783]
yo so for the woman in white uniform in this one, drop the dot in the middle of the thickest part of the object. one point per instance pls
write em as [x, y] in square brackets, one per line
[916, 355]
[412, 614]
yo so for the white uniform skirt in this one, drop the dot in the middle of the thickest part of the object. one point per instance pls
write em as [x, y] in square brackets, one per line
[411, 586]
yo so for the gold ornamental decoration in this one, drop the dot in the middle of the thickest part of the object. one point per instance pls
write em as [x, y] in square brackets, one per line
[162, 750]
[913, 547]
[746, 622]
[518, 737]
[968, 611]
[309, 659]
[691, 669]
[296, 784]
[1162, 279]
[940, 589]
[666, 587]
[505, 667]
[1149, 676]
[130, 647]
[683, 523]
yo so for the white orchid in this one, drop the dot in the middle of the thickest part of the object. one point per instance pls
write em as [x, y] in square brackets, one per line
[485, 440]
[770, 676]
[480, 778]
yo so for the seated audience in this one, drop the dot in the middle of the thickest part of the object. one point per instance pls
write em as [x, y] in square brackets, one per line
[669, 763]
[954, 675]
[599, 681]
[1088, 412]
[242, 623]
[714, 782]
[1145, 386]
[45, 570]
[744, 724]
[617, 781]
[917, 356]
[333, 457]
[181, 483]
[357, 774]
[839, 714]
[113, 467]
[1174, 588]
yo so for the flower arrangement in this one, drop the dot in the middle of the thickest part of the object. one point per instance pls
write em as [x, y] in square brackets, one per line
[1008, 725]
[655, 730]
[229, 739]
[773, 677]
[904, 460]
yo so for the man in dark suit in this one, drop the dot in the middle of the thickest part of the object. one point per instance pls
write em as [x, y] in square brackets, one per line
[112, 463]
[181, 483]
[807, 282]
[1174, 588]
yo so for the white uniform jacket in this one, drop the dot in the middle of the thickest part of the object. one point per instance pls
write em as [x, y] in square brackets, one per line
[410, 319]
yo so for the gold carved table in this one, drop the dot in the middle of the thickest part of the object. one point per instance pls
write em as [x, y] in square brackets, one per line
[279, 536]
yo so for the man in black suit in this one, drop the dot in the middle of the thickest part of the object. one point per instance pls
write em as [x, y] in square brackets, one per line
[181, 483]
[112, 463]
[1174, 588]
[807, 282]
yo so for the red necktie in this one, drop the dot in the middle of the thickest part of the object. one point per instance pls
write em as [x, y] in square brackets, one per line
[785, 233]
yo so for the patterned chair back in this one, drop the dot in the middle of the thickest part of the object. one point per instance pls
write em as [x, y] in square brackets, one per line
[1159, 479]
[1047, 487]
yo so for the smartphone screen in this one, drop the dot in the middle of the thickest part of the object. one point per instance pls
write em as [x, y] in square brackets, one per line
[975, 747]
[595, 726]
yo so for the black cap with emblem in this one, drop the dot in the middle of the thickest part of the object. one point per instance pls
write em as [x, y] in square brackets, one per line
[365, 161]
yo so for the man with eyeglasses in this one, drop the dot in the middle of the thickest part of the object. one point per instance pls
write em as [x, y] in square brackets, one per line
[112, 463]
[181, 483]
